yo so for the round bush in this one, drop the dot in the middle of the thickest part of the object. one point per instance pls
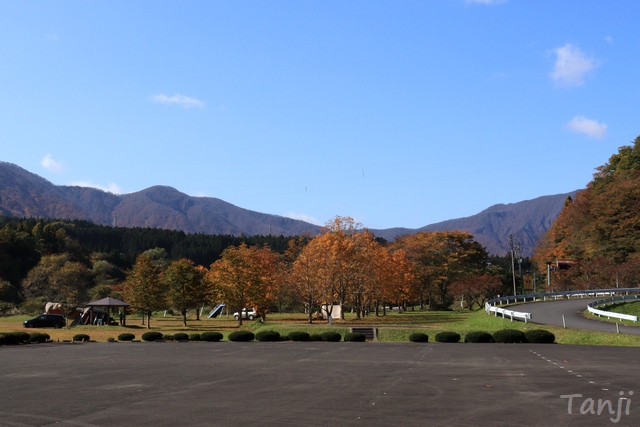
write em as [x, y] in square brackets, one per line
[355, 337]
[448, 336]
[211, 336]
[299, 336]
[180, 336]
[39, 337]
[2, 339]
[268, 336]
[315, 337]
[418, 337]
[111, 339]
[241, 336]
[167, 337]
[152, 336]
[126, 337]
[13, 338]
[331, 336]
[509, 336]
[194, 336]
[81, 337]
[540, 336]
[478, 336]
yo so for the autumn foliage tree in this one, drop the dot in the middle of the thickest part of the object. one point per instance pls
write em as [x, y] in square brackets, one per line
[439, 258]
[144, 289]
[245, 276]
[186, 286]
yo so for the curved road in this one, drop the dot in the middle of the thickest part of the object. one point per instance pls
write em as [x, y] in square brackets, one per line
[550, 313]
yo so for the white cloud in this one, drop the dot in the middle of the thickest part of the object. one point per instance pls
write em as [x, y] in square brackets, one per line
[584, 126]
[571, 66]
[51, 165]
[181, 100]
[305, 218]
[110, 188]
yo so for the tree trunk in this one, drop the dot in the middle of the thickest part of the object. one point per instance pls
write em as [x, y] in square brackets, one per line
[148, 320]
[184, 316]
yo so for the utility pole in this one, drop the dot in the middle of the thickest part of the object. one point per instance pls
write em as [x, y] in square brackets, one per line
[514, 247]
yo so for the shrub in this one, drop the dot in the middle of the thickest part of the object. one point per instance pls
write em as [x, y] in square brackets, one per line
[299, 336]
[127, 336]
[111, 339]
[331, 336]
[241, 336]
[448, 336]
[39, 337]
[2, 339]
[194, 336]
[15, 338]
[355, 337]
[478, 336]
[540, 336]
[152, 336]
[180, 336]
[315, 337]
[268, 336]
[81, 337]
[418, 337]
[211, 336]
[167, 337]
[509, 336]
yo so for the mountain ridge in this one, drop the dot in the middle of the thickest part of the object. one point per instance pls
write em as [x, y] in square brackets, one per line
[25, 194]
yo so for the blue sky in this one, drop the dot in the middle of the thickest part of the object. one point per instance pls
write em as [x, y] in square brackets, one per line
[397, 113]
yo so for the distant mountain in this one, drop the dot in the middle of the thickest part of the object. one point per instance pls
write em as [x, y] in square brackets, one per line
[528, 220]
[24, 194]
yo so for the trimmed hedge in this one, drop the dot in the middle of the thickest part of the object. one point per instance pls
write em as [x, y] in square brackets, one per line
[478, 336]
[194, 336]
[180, 336]
[419, 337]
[167, 337]
[315, 337]
[242, 336]
[540, 336]
[355, 337]
[331, 336]
[81, 337]
[268, 336]
[211, 336]
[152, 336]
[14, 338]
[509, 336]
[448, 336]
[299, 336]
[39, 337]
[127, 336]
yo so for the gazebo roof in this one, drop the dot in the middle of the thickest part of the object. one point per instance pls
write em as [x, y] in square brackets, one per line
[108, 302]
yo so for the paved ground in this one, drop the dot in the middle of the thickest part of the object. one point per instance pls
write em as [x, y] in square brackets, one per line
[316, 384]
[551, 312]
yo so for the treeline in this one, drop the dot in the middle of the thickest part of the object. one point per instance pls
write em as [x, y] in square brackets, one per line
[72, 262]
[109, 252]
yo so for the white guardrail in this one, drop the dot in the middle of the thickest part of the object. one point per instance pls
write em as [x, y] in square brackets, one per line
[491, 306]
[610, 314]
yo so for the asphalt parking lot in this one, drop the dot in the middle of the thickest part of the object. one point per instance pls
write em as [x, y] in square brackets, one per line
[317, 384]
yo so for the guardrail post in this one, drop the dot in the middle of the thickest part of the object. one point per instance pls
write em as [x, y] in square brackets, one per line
[617, 328]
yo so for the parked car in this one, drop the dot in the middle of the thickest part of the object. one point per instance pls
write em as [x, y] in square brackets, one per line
[247, 313]
[46, 321]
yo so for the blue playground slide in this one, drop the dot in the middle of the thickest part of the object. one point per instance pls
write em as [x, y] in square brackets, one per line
[216, 311]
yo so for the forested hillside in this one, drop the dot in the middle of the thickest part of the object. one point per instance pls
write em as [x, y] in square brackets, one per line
[600, 228]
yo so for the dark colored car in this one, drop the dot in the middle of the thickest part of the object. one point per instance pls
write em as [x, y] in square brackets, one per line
[46, 321]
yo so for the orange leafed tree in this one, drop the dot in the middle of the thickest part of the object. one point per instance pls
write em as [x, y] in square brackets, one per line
[245, 276]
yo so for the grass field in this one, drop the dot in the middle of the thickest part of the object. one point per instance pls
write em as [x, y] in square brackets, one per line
[392, 327]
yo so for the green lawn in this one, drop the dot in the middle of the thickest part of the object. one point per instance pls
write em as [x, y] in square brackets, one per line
[392, 327]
